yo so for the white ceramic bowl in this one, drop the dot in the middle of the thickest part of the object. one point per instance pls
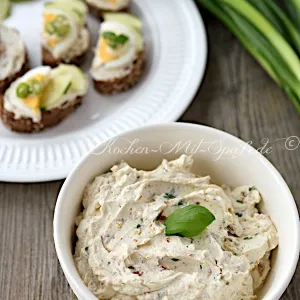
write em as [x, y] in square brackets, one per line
[222, 156]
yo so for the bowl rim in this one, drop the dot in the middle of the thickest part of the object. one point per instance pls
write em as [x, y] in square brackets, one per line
[78, 286]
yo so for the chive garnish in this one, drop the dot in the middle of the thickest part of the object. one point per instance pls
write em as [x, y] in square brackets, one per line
[67, 88]
[169, 196]
[113, 40]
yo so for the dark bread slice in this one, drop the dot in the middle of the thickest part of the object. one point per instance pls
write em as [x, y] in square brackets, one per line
[49, 118]
[4, 84]
[98, 12]
[49, 60]
[124, 83]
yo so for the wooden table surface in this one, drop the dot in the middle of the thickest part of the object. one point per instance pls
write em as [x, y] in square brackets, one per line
[236, 96]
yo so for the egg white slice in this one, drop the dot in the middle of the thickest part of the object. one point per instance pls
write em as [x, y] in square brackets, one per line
[13, 103]
[128, 56]
[67, 42]
[43, 70]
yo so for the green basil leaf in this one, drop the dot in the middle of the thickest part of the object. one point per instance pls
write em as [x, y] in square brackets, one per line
[108, 35]
[188, 221]
[122, 39]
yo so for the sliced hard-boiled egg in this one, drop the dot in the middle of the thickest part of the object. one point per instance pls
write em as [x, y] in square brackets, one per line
[60, 31]
[30, 87]
[116, 46]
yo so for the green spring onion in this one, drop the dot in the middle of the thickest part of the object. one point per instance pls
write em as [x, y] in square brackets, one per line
[59, 26]
[37, 87]
[23, 90]
[268, 34]
[114, 40]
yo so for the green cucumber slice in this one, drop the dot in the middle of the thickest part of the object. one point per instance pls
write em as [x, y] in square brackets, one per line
[79, 80]
[55, 90]
[124, 18]
[139, 40]
[78, 5]
[72, 12]
[5, 6]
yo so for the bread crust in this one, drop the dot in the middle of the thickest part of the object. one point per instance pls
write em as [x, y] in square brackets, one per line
[98, 12]
[4, 84]
[48, 119]
[122, 84]
[49, 60]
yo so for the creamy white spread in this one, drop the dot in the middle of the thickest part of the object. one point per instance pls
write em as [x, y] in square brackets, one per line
[121, 65]
[109, 5]
[123, 253]
[12, 52]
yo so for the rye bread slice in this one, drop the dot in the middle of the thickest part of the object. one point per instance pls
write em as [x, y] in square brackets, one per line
[4, 84]
[49, 118]
[49, 60]
[122, 84]
[98, 12]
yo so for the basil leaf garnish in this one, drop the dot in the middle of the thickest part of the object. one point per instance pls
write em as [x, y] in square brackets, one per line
[188, 221]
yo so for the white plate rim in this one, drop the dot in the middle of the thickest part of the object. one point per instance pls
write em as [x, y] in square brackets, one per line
[191, 89]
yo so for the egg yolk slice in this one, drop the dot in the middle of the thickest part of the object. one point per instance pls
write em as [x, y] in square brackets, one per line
[49, 17]
[113, 1]
[34, 101]
[52, 42]
[104, 54]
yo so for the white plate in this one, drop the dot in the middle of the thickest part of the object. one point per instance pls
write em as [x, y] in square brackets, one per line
[176, 51]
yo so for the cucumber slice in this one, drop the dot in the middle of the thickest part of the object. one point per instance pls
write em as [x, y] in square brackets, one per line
[139, 40]
[78, 5]
[5, 6]
[72, 12]
[79, 80]
[55, 90]
[124, 18]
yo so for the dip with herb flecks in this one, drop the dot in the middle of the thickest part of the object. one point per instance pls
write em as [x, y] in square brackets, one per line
[123, 252]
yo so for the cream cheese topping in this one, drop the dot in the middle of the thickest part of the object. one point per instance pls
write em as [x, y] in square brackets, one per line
[123, 253]
[109, 5]
[12, 52]
[120, 66]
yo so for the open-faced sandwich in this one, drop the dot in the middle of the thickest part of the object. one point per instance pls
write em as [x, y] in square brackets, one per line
[98, 7]
[65, 36]
[13, 57]
[42, 98]
[119, 56]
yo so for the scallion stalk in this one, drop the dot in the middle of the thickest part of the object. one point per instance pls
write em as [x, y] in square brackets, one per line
[266, 28]
[279, 20]
[297, 5]
[262, 40]
[293, 13]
